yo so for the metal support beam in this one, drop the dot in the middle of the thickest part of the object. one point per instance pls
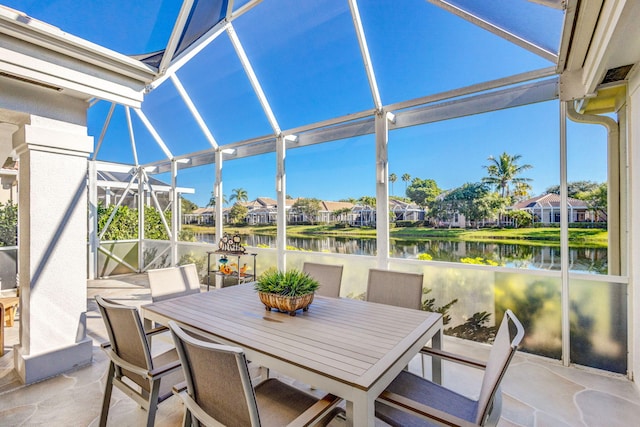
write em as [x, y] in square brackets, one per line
[153, 133]
[500, 32]
[187, 55]
[132, 136]
[115, 209]
[364, 50]
[152, 193]
[175, 213]
[214, 32]
[219, 195]
[176, 35]
[281, 191]
[94, 241]
[141, 267]
[382, 188]
[253, 79]
[564, 239]
[362, 123]
[529, 93]
[194, 111]
[104, 130]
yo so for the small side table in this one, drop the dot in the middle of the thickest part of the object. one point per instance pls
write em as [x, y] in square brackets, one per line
[236, 274]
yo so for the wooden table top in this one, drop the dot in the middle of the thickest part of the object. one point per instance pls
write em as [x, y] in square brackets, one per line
[352, 341]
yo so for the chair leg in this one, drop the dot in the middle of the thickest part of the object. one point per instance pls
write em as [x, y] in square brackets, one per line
[187, 420]
[153, 403]
[106, 400]
[496, 410]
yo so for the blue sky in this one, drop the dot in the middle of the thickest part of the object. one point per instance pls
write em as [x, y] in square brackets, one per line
[308, 61]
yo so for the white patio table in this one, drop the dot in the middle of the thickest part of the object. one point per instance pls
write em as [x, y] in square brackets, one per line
[347, 347]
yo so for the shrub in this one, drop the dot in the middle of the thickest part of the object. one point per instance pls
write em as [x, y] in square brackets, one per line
[124, 225]
[407, 223]
[290, 283]
[8, 224]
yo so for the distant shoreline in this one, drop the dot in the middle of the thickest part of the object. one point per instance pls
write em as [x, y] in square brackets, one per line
[548, 236]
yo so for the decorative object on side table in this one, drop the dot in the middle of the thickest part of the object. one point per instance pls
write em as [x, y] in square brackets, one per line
[231, 244]
[229, 247]
[287, 291]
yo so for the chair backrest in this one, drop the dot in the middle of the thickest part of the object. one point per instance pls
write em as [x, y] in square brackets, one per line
[217, 378]
[127, 338]
[172, 282]
[502, 351]
[328, 276]
[395, 288]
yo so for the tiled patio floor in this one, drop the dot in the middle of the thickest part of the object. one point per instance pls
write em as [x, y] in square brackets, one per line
[536, 391]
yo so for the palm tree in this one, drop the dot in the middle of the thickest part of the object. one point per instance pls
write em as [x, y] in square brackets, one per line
[212, 201]
[239, 195]
[367, 201]
[392, 178]
[406, 178]
[522, 190]
[504, 171]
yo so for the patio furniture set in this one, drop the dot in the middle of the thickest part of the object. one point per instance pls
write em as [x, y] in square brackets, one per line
[355, 351]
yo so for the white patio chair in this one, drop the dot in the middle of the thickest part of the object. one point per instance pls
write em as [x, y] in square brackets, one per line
[173, 282]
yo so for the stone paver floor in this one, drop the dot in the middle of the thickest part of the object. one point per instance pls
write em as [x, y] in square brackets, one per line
[537, 392]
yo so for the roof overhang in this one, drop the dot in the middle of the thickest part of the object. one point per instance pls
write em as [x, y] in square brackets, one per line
[599, 37]
[36, 53]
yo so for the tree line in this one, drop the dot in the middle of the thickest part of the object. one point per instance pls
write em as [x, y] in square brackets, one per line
[503, 186]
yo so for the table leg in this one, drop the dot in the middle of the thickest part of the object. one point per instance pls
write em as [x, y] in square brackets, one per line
[361, 412]
[208, 271]
[436, 362]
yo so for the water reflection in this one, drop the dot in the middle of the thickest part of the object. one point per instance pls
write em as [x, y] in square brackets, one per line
[592, 260]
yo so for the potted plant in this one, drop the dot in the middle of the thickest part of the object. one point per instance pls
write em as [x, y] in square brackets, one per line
[286, 291]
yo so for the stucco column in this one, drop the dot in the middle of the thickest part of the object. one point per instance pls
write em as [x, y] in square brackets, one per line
[53, 247]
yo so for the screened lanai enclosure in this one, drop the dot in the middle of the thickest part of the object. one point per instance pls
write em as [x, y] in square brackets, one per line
[328, 99]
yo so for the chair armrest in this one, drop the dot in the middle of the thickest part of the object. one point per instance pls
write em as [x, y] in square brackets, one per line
[463, 360]
[155, 331]
[124, 364]
[163, 370]
[316, 412]
[180, 387]
[160, 371]
[197, 411]
[410, 406]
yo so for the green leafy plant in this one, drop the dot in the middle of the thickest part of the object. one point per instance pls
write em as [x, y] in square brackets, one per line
[8, 224]
[124, 225]
[289, 283]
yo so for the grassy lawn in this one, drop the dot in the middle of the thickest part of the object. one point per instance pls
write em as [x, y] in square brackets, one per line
[544, 236]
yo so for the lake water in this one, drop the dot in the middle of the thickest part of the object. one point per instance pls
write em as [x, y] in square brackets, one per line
[592, 260]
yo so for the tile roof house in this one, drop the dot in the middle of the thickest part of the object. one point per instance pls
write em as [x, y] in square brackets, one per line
[546, 209]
